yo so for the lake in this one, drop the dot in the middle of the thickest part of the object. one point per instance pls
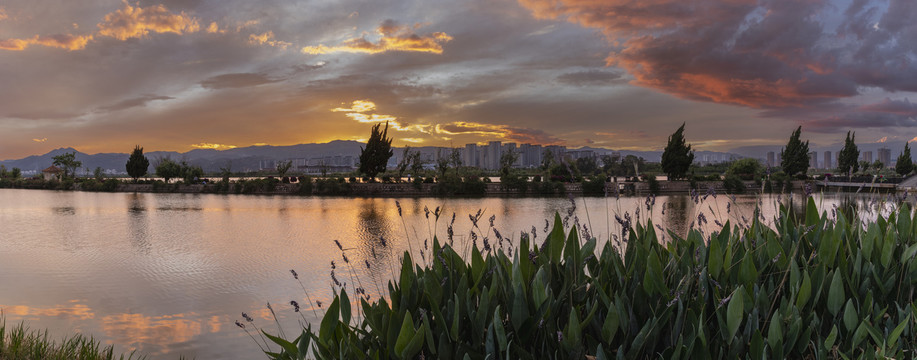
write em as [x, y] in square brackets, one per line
[169, 274]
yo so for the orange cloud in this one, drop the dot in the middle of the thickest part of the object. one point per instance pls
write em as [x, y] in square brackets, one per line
[136, 22]
[74, 310]
[214, 28]
[392, 37]
[40, 140]
[267, 39]
[3, 15]
[359, 106]
[61, 41]
[213, 146]
[504, 132]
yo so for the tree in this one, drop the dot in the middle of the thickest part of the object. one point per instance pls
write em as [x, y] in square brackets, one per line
[168, 169]
[878, 165]
[405, 162]
[745, 169]
[442, 163]
[191, 173]
[507, 160]
[847, 158]
[416, 164]
[15, 173]
[456, 159]
[137, 165]
[68, 163]
[587, 165]
[374, 157]
[795, 156]
[283, 167]
[905, 165]
[677, 157]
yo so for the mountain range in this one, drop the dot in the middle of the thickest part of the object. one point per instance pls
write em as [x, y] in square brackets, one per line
[245, 159]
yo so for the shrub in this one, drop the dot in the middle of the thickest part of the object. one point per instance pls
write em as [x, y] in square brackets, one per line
[653, 184]
[594, 185]
[733, 184]
[811, 287]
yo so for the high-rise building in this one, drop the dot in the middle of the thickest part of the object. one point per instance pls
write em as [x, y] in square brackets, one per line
[867, 156]
[531, 155]
[885, 156]
[827, 163]
[470, 156]
[770, 159]
[813, 159]
[492, 154]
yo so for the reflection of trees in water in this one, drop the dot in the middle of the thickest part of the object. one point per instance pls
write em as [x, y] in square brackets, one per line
[375, 240]
[676, 215]
[138, 223]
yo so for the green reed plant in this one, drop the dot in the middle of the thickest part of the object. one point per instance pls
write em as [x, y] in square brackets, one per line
[21, 343]
[809, 285]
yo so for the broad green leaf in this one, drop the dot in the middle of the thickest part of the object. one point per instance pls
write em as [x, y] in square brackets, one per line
[330, 321]
[611, 324]
[714, 258]
[805, 290]
[416, 343]
[775, 333]
[406, 335]
[893, 337]
[653, 282]
[888, 246]
[851, 319]
[288, 347]
[836, 294]
[735, 312]
[345, 307]
[498, 328]
[832, 337]
[556, 239]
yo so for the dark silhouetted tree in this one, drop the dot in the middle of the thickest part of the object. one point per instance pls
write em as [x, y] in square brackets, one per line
[374, 157]
[137, 165]
[168, 169]
[677, 157]
[68, 163]
[283, 167]
[849, 155]
[795, 156]
[905, 165]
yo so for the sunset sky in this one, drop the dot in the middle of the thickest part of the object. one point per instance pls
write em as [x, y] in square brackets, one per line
[104, 75]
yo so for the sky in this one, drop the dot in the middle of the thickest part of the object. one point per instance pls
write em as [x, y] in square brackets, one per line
[106, 75]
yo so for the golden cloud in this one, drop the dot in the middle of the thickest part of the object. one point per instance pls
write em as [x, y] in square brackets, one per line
[61, 41]
[267, 39]
[213, 146]
[40, 140]
[136, 22]
[74, 310]
[392, 37]
[359, 106]
[504, 132]
[214, 28]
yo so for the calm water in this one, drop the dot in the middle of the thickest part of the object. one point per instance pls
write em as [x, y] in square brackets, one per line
[168, 274]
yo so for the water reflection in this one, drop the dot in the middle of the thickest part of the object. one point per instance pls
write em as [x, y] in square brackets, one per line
[138, 223]
[192, 263]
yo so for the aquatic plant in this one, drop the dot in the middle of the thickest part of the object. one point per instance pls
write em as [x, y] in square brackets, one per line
[808, 285]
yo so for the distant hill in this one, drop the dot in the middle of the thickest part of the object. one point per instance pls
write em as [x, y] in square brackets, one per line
[250, 158]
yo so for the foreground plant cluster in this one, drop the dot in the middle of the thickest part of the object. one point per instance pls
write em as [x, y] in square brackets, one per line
[19, 342]
[809, 286]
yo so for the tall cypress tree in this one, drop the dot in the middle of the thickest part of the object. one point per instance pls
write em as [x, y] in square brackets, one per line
[374, 157]
[847, 158]
[677, 157]
[137, 165]
[795, 156]
[905, 165]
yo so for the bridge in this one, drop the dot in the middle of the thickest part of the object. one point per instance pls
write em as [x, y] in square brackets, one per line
[909, 183]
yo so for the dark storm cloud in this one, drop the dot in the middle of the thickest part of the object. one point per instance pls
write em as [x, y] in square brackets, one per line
[591, 78]
[764, 54]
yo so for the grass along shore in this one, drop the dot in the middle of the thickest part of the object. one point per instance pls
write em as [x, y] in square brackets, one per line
[21, 343]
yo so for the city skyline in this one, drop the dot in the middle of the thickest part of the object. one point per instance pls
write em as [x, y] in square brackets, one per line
[177, 75]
